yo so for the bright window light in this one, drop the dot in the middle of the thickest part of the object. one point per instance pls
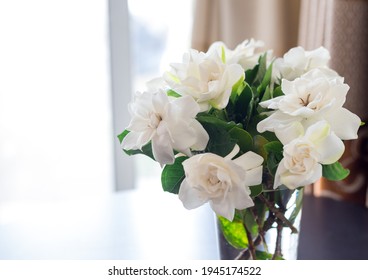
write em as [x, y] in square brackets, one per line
[160, 34]
[55, 115]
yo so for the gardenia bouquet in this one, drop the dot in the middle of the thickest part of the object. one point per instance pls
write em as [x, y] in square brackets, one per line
[230, 127]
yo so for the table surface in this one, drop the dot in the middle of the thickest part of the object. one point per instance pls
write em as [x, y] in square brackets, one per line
[154, 225]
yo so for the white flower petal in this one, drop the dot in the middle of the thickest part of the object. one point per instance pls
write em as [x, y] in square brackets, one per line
[202, 136]
[241, 198]
[293, 181]
[159, 100]
[249, 160]
[253, 176]
[162, 149]
[136, 140]
[344, 123]
[331, 149]
[190, 196]
[276, 120]
[223, 208]
[318, 132]
[271, 103]
[280, 170]
[289, 132]
[185, 107]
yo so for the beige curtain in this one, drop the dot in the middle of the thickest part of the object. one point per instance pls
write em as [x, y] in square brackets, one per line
[232, 21]
[342, 27]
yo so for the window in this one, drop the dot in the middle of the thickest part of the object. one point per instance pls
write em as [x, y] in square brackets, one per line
[160, 34]
[55, 117]
[57, 129]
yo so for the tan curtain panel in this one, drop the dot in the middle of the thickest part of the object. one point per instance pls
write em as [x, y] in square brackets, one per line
[342, 27]
[232, 21]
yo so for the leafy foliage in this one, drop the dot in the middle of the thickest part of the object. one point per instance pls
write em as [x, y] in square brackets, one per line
[173, 175]
[234, 232]
[335, 171]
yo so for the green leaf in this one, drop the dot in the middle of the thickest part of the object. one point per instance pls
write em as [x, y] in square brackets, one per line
[234, 232]
[237, 89]
[251, 223]
[273, 161]
[240, 102]
[172, 93]
[220, 142]
[261, 255]
[274, 155]
[277, 92]
[244, 106]
[274, 147]
[213, 120]
[259, 143]
[242, 138]
[251, 74]
[335, 171]
[266, 78]
[267, 94]
[256, 190]
[146, 149]
[172, 176]
[261, 70]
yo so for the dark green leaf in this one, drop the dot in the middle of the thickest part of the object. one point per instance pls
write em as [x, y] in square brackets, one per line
[234, 232]
[242, 138]
[266, 79]
[122, 135]
[238, 108]
[274, 147]
[251, 74]
[277, 92]
[259, 143]
[256, 190]
[220, 142]
[273, 161]
[267, 94]
[213, 120]
[274, 155]
[251, 223]
[172, 176]
[335, 171]
[237, 90]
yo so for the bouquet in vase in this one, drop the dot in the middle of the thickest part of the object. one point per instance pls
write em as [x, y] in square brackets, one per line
[245, 131]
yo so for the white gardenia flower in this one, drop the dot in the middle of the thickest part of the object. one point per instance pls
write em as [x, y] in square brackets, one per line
[316, 95]
[204, 77]
[169, 123]
[304, 156]
[297, 61]
[223, 182]
[244, 54]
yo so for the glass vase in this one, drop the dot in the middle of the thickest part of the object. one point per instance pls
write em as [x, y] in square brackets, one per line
[268, 230]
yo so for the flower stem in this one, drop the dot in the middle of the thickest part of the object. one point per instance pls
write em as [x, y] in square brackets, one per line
[245, 254]
[278, 213]
[251, 246]
[278, 252]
